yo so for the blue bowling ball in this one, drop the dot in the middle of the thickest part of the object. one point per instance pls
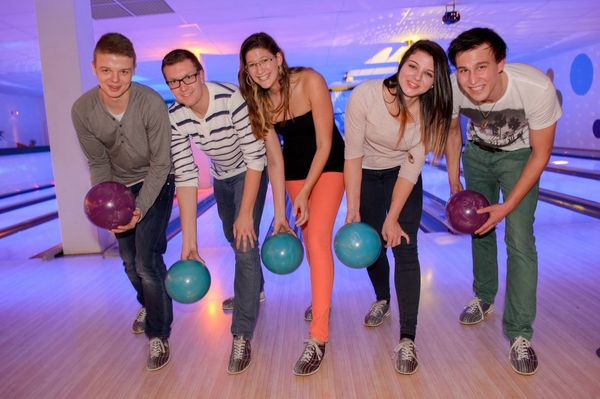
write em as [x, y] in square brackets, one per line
[357, 245]
[282, 253]
[187, 281]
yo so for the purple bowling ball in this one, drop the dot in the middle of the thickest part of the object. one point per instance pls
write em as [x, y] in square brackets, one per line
[461, 211]
[109, 204]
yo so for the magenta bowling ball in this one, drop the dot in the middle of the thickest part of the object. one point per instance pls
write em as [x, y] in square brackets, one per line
[461, 211]
[109, 204]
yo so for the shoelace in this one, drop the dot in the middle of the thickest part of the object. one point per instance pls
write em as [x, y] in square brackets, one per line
[377, 308]
[239, 344]
[473, 305]
[521, 346]
[311, 348]
[156, 347]
[141, 315]
[406, 350]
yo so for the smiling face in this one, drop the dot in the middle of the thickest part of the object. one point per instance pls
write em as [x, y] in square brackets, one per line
[190, 94]
[114, 73]
[417, 74]
[263, 67]
[479, 75]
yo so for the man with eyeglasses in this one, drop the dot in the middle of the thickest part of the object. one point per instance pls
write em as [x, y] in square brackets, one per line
[123, 129]
[215, 117]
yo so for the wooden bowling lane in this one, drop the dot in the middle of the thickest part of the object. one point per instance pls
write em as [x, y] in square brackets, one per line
[66, 329]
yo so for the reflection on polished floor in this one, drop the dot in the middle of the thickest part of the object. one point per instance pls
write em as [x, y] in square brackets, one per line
[66, 325]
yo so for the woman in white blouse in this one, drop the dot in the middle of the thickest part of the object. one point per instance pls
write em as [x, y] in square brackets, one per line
[391, 124]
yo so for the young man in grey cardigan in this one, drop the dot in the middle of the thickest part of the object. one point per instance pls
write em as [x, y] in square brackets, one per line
[124, 131]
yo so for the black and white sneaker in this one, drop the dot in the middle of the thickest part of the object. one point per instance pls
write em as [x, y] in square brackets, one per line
[139, 323]
[406, 357]
[308, 313]
[241, 355]
[311, 358]
[377, 313]
[475, 311]
[522, 357]
[159, 355]
[228, 303]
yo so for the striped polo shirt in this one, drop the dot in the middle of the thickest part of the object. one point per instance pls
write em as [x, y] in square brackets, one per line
[224, 135]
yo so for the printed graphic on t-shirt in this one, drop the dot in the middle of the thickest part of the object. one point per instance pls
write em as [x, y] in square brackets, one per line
[498, 128]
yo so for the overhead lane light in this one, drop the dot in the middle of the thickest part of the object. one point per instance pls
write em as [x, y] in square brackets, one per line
[382, 59]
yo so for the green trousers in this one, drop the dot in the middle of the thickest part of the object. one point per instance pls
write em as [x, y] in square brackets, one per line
[489, 173]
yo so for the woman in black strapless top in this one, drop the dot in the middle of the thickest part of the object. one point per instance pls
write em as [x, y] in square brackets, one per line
[294, 104]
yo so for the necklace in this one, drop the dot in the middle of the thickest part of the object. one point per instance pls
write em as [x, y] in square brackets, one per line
[484, 122]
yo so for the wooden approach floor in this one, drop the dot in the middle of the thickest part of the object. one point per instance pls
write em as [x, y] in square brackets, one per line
[65, 330]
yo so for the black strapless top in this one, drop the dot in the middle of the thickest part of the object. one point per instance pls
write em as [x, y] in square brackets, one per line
[300, 146]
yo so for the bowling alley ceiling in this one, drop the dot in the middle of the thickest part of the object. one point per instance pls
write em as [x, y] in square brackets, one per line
[336, 37]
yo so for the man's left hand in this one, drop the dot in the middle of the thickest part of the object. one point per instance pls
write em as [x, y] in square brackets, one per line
[243, 232]
[497, 213]
[135, 218]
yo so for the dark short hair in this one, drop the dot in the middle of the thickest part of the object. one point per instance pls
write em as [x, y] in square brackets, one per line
[179, 55]
[115, 43]
[475, 37]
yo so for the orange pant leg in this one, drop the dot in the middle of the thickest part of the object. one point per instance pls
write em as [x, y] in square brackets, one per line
[323, 206]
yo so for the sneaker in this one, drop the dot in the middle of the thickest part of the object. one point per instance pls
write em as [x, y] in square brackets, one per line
[139, 324]
[406, 357]
[308, 316]
[241, 355]
[308, 313]
[311, 358]
[378, 312]
[522, 356]
[159, 355]
[475, 311]
[228, 303]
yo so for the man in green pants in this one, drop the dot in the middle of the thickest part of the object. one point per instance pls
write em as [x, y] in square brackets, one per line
[512, 111]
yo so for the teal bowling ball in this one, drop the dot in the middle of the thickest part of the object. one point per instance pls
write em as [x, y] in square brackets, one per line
[187, 281]
[282, 253]
[357, 245]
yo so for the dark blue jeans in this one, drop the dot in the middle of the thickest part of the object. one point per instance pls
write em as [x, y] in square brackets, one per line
[142, 250]
[248, 278]
[376, 191]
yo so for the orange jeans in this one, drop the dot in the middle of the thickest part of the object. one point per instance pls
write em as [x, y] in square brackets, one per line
[323, 205]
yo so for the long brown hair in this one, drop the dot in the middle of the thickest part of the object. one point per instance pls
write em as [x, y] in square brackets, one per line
[435, 104]
[261, 110]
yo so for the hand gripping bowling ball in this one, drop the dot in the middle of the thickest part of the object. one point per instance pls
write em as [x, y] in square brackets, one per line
[109, 204]
[357, 245]
[461, 211]
[282, 253]
[187, 281]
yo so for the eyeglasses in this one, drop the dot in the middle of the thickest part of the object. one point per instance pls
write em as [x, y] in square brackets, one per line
[188, 80]
[260, 63]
